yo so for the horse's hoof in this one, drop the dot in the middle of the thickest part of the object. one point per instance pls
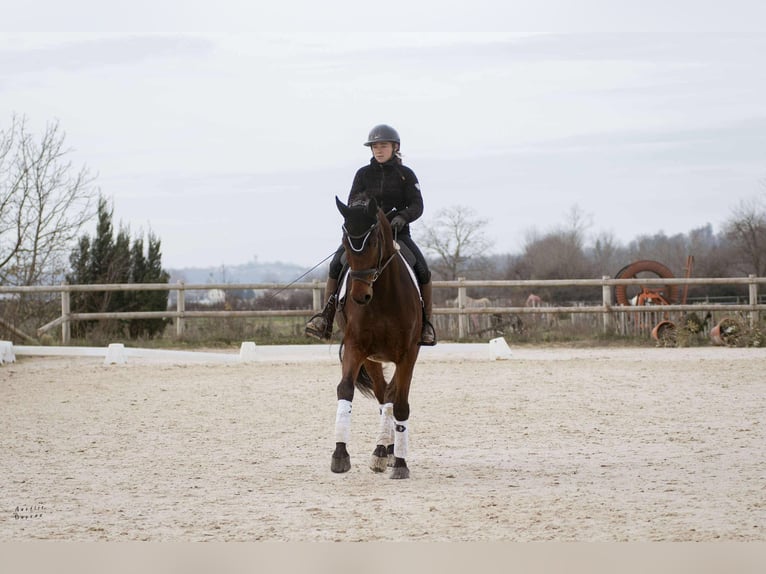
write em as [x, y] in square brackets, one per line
[391, 457]
[379, 459]
[341, 461]
[342, 464]
[378, 464]
[400, 472]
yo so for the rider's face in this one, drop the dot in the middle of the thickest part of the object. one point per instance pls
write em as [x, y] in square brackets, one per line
[382, 151]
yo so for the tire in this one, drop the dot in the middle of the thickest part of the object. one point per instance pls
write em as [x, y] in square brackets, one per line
[624, 293]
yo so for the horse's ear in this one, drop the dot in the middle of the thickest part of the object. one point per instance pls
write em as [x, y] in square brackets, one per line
[372, 208]
[341, 207]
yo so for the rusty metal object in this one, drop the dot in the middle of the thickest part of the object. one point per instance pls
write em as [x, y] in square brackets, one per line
[665, 295]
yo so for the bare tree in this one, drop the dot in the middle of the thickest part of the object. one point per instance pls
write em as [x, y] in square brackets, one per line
[555, 255]
[456, 238]
[607, 254]
[577, 224]
[44, 203]
[746, 230]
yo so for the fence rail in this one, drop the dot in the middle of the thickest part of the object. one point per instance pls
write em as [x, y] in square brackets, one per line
[608, 309]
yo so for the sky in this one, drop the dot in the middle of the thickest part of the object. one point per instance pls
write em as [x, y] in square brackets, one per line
[228, 128]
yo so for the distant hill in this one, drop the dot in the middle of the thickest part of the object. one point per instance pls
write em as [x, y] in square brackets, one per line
[252, 272]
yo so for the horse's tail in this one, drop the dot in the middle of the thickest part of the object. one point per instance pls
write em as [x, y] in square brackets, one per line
[363, 381]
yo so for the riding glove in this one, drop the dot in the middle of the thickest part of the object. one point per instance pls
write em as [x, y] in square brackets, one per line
[398, 223]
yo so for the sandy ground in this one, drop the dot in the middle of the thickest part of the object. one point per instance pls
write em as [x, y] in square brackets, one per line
[551, 444]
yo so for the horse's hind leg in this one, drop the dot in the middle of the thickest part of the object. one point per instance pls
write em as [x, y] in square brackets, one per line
[380, 460]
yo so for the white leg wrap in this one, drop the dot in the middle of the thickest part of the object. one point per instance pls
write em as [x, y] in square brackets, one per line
[401, 439]
[343, 421]
[386, 435]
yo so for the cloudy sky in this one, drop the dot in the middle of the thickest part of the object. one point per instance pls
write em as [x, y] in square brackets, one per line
[228, 131]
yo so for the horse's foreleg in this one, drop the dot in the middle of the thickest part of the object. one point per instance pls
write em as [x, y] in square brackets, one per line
[341, 461]
[379, 460]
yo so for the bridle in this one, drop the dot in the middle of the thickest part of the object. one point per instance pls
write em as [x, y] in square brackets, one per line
[370, 275]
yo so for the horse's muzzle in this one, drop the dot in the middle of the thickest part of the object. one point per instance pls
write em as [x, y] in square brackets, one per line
[362, 298]
[361, 292]
[361, 285]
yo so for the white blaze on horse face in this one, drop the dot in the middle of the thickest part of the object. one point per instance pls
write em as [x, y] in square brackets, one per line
[386, 435]
[343, 422]
[401, 439]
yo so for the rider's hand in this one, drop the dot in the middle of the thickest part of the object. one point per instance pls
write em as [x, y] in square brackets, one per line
[398, 223]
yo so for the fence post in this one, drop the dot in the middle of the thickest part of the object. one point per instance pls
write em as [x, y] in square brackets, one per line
[461, 318]
[753, 292]
[606, 300]
[180, 307]
[317, 295]
[66, 307]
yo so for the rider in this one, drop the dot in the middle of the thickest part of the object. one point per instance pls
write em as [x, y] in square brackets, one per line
[394, 186]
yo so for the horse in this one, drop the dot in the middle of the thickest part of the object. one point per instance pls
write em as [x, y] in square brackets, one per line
[381, 318]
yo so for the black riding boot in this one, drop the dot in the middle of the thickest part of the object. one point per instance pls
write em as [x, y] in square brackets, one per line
[428, 334]
[320, 325]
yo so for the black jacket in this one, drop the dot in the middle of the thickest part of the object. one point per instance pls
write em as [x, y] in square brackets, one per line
[393, 186]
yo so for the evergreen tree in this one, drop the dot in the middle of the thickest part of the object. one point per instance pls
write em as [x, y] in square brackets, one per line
[137, 274]
[79, 262]
[102, 250]
[119, 272]
[105, 259]
[152, 272]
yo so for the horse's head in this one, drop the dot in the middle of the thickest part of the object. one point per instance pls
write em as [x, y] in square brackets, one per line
[365, 234]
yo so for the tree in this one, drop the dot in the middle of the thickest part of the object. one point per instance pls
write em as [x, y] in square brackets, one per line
[746, 230]
[670, 251]
[456, 238]
[44, 203]
[607, 255]
[147, 269]
[106, 259]
[557, 254]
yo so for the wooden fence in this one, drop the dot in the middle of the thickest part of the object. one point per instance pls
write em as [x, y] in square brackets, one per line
[612, 315]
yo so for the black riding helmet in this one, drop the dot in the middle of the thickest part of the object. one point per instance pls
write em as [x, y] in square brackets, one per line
[382, 133]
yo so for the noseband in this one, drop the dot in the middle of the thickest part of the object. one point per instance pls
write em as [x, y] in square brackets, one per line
[367, 276]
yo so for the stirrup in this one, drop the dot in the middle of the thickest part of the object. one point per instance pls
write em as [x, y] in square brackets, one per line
[321, 332]
[427, 335]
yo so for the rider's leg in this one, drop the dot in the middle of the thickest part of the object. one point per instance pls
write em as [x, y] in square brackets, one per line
[428, 334]
[320, 325]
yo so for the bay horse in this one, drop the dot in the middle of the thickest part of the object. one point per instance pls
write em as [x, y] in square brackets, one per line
[381, 319]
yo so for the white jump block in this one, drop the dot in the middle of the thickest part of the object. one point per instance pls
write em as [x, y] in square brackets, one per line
[115, 354]
[499, 349]
[6, 352]
[247, 352]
